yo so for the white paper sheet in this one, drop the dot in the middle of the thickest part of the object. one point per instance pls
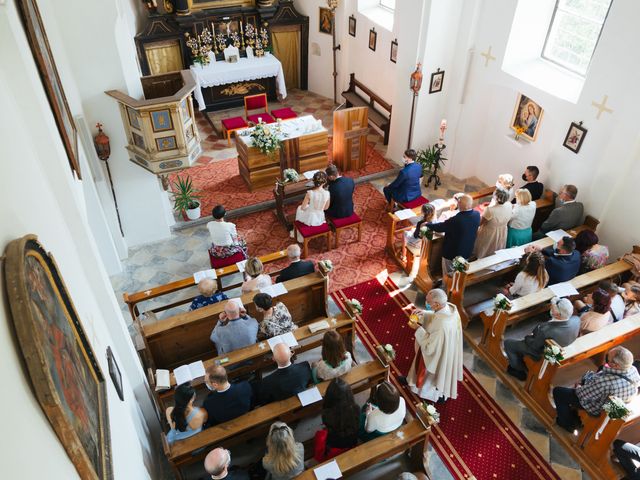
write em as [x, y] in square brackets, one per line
[211, 273]
[241, 265]
[182, 374]
[287, 338]
[405, 214]
[237, 301]
[309, 175]
[564, 289]
[317, 326]
[310, 396]
[511, 253]
[328, 470]
[275, 289]
[439, 203]
[196, 369]
[163, 380]
[556, 235]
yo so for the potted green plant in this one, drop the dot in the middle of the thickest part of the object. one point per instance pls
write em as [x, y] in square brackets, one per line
[186, 197]
[431, 160]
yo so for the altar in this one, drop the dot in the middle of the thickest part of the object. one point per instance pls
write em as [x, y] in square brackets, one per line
[304, 148]
[224, 85]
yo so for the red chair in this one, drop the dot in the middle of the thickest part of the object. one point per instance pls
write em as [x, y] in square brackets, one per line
[230, 125]
[257, 102]
[338, 224]
[225, 262]
[283, 113]
[308, 233]
[418, 202]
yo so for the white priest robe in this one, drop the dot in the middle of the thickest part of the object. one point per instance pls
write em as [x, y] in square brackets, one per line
[437, 366]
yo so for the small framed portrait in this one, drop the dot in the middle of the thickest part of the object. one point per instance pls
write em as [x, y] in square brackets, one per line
[326, 23]
[526, 117]
[393, 56]
[373, 38]
[352, 26]
[437, 79]
[575, 137]
[114, 373]
[233, 59]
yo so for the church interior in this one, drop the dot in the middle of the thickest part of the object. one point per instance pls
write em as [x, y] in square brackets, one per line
[126, 124]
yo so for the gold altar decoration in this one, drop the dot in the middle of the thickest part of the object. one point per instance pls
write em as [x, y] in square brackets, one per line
[200, 46]
[161, 130]
[242, 88]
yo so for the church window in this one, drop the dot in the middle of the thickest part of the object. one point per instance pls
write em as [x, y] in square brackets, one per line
[388, 4]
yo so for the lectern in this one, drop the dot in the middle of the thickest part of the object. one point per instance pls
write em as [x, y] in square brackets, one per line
[350, 130]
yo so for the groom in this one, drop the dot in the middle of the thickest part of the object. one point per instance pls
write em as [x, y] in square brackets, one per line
[341, 191]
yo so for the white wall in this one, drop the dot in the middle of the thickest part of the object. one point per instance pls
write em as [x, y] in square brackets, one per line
[40, 196]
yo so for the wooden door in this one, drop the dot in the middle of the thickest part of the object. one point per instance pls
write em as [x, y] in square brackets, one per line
[350, 130]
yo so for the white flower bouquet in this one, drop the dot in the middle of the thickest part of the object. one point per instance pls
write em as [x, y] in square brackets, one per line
[326, 264]
[265, 138]
[389, 351]
[432, 412]
[355, 305]
[426, 232]
[460, 264]
[615, 408]
[500, 302]
[290, 175]
[553, 354]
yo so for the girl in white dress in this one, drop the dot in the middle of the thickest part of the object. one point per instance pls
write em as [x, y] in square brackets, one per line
[315, 202]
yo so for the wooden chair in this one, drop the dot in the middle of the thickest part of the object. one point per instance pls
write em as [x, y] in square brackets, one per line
[370, 100]
[285, 113]
[231, 125]
[338, 224]
[257, 102]
[309, 233]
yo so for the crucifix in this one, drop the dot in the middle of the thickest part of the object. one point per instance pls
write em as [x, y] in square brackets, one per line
[602, 106]
[488, 57]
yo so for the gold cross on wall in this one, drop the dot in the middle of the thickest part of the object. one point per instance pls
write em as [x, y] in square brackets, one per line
[488, 57]
[602, 107]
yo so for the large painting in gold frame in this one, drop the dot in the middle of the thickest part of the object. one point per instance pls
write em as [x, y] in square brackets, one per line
[65, 374]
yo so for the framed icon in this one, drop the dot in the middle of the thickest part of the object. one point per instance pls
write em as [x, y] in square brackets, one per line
[393, 56]
[437, 80]
[575, 137]
[373, 38]
[352, 26]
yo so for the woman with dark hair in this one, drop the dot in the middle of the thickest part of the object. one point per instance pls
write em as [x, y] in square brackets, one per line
[532, 278]
[184, 419]
[336, 361]
[492, 234]
[316, 201]
[225, 241]
[340, 416]
[276, 319]
[595, 317]
[383, 413]
[592, 255]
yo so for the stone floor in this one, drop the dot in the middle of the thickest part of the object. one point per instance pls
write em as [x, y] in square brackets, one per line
[186, 252]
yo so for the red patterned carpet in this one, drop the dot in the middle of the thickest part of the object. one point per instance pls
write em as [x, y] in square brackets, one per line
[353, 261]
[474, 438]
[220, 181]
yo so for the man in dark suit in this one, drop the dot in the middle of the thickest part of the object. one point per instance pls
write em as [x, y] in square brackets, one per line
[217, 464]
[460, 233]
[536, 188]
[225, 401]
[567, 214]
[563, 328]
[341, 191]
[297, 268]
[562, 262]
[406, 186]
[288, 380]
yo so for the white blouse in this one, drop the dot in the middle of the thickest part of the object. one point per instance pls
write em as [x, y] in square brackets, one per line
[325, 371]
[261, 281]
[524, 285]
[522, 216]
[222, 233]
[385, 422]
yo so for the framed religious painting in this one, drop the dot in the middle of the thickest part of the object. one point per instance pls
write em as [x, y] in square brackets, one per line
[373, 38]
[39, 44]
[66, 377]
[575, 137]
[326, 23]
[437, 80]
[393, 56]
[526, 118]
[352, 26]
[114, 373]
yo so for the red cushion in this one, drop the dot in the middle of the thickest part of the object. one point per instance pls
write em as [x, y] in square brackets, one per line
[225, 262]
[307, 231]
[284, 113]
[254, 102]
[346, 221]
[234, 122]
[265, 117]
[414, 203]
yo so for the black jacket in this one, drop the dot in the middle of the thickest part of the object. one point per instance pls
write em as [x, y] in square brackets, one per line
[295, 270]
[224, 406]
[460, 232]
[284, 383]
[341, 191]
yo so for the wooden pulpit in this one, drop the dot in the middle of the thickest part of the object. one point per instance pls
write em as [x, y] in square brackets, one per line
[350, 130]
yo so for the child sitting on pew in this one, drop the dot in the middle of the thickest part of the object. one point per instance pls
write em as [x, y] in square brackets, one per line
[184, 419]
[208, 294]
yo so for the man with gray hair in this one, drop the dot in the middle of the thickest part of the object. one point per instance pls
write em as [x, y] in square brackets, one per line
[234, 330]
[618, 377]
[216, 464]
[297, 268]
[567, 214]
[437, 366]
[563, 328]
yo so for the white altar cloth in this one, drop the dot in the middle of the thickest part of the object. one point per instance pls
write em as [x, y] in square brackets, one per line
[245, 69]
[292, 128]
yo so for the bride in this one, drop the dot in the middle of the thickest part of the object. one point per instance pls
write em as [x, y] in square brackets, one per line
[315, 202]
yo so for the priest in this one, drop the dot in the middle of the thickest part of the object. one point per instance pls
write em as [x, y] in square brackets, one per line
[437, 366]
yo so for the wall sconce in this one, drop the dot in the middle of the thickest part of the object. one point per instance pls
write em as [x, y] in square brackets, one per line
[101, 142]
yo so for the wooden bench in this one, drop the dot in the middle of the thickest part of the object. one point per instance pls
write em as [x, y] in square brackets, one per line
[493, 266]
[496, 323]
[256, 423]
[133, 299]
[184, 338]
[355, 99]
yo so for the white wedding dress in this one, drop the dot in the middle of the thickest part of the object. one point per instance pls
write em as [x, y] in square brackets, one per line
[314, 213]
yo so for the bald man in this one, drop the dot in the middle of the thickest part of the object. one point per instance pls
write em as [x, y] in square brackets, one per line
[288, 380]
[216, 464]
[225, 401]
[234, 330]
[297, 268]
[208, 295]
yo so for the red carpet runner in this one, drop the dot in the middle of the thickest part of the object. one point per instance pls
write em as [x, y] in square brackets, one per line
[474, 438]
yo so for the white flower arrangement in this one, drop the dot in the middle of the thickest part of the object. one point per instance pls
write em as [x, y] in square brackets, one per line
[615, 408]
[355, 305]
[553, 354]
[326, 264]
[432, 412]
[426, 232]
[290, 175]
[460, 264]
[265, 138]
[500, 302]
[389, 351]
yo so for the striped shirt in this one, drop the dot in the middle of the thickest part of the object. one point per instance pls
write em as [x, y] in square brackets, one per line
[607, 382]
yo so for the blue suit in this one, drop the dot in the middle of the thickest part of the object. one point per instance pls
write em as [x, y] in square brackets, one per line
[460, 232]
[561, 268]
[406, 186]
[341, 191]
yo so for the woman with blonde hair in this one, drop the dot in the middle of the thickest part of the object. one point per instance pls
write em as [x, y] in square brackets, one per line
[285, 457]
[254, 276]
[492, 234]
[519, 227]
[532, 278]
[505, 182]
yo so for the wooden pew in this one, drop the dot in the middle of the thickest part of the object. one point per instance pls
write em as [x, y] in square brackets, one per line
[493, 266]
[184, 338]
[412, 437]
[496, 323]
[355, 99]
[256, 423]
[133, 299]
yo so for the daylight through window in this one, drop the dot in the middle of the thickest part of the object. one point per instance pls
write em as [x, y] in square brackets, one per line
[389, 4]
[574, 32]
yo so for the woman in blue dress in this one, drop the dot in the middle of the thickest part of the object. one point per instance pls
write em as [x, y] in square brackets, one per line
[185, 419]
